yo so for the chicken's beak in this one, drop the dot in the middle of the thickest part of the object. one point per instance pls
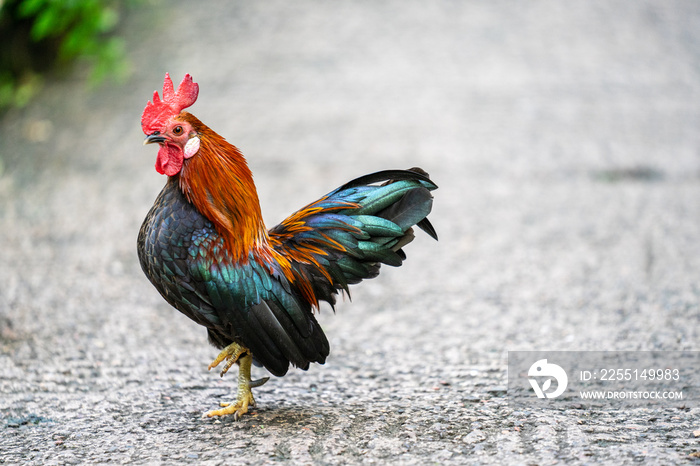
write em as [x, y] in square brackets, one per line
[152, 138]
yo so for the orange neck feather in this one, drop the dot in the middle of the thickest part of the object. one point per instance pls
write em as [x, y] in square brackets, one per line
[218, 182]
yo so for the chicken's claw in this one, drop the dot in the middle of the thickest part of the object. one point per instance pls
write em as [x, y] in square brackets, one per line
[238, 409]
[244, 398]
[232, 353]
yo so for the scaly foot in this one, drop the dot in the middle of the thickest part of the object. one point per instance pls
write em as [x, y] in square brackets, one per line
[244, 399]
[231, 354]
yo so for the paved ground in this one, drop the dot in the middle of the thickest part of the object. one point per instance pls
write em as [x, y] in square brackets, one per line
[565, 138]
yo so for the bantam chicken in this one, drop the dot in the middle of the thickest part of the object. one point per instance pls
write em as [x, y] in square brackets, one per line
[205, 248]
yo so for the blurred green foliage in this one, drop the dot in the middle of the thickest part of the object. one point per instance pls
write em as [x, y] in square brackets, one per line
[39, 36]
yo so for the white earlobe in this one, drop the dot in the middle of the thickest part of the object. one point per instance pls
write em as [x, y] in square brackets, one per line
[191, 147]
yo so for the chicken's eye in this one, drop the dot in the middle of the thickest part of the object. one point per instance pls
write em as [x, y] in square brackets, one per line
[177, 130]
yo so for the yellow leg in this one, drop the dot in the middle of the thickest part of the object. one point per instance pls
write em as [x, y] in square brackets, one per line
[235, 353]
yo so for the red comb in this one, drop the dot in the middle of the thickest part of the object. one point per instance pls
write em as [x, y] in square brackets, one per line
[157, 112]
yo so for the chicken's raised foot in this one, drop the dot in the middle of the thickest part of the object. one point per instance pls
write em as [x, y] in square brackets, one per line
[231, 354]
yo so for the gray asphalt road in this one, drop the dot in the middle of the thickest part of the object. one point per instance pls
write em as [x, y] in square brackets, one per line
[564, 137]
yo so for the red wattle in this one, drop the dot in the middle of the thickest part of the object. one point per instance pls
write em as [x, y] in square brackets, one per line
[169, 160]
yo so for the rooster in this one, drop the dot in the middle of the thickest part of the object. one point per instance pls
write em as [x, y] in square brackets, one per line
[205, 248]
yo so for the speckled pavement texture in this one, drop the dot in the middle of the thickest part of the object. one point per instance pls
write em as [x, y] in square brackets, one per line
[564, 136]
